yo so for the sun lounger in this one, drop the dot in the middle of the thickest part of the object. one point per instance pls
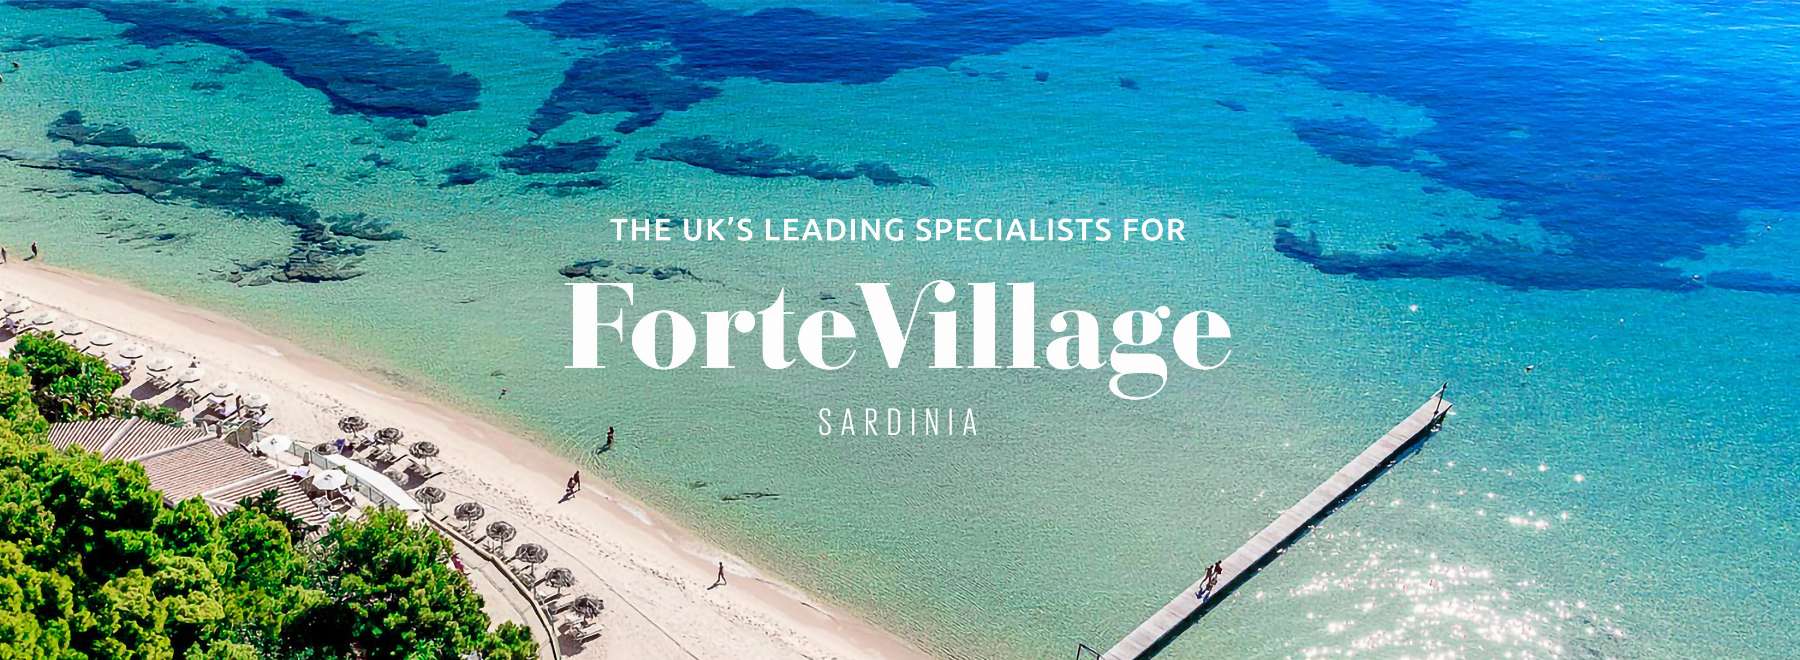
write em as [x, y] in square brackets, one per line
[583, 632]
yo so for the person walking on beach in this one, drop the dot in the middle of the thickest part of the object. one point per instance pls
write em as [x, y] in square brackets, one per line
[574, 485]
[34, 252]
[720, 582]
[2, 256]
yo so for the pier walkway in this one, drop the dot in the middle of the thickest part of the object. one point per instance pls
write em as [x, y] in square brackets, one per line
[1153, 632]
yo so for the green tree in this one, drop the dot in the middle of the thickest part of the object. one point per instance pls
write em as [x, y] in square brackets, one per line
[390, 593]
[67, 385]
[35, 608]
[17, 410]
[510, 641]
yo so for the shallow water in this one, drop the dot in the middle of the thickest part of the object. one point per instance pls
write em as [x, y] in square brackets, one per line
[1490, 187]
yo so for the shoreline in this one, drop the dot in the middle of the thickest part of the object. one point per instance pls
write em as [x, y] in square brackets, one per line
[660, 568]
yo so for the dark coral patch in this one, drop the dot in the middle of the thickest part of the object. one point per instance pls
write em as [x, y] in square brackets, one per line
[607, 270]
[666, 50]
[556, 158]
[1354, 141]
[46, 41]
[71, 128]
[463, 174]
[571, 187]
[171, 172]
[358, 71]
[760, 159]
[635, 81]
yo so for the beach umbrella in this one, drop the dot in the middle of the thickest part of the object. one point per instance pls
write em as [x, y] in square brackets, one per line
[470, 511]
[73, 327]
[352, 424]
[429, 495]
[330, 479]
[160, 364]
[559, 577]
[587, 607]
[423, 450]
[256, 400]
[222, 389]
[18, 306]
[103, 339]
[119, 364]
[43, 318]
[501, 531]
[531, 554]
[270, 445]
[132, 351]
[390, 435]
[190, 375]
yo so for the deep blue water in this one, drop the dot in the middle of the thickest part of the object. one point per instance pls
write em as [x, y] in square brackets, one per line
[1627, 162]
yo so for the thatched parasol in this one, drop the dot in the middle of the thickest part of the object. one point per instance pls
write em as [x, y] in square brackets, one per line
[256, 400]
[559, 577]
[160, 364]
[73, 328]
[423, 450]
[390, 435]
[587, 607]
[103, 339]
[352, 424]
[429, 495]
[17, 307]
[531, 554]
[470, 512]
[43, 318]
[132, 351]
[501, 531]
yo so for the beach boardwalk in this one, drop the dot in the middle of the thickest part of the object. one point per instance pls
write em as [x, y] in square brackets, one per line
[1261, 548]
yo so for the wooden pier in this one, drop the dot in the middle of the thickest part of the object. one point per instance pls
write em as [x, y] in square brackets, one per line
[1150, 635]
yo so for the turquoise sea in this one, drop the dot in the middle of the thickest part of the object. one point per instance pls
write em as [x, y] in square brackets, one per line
[1380, 195]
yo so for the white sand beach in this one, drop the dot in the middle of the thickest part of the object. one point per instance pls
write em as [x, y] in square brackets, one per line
[652, 575]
